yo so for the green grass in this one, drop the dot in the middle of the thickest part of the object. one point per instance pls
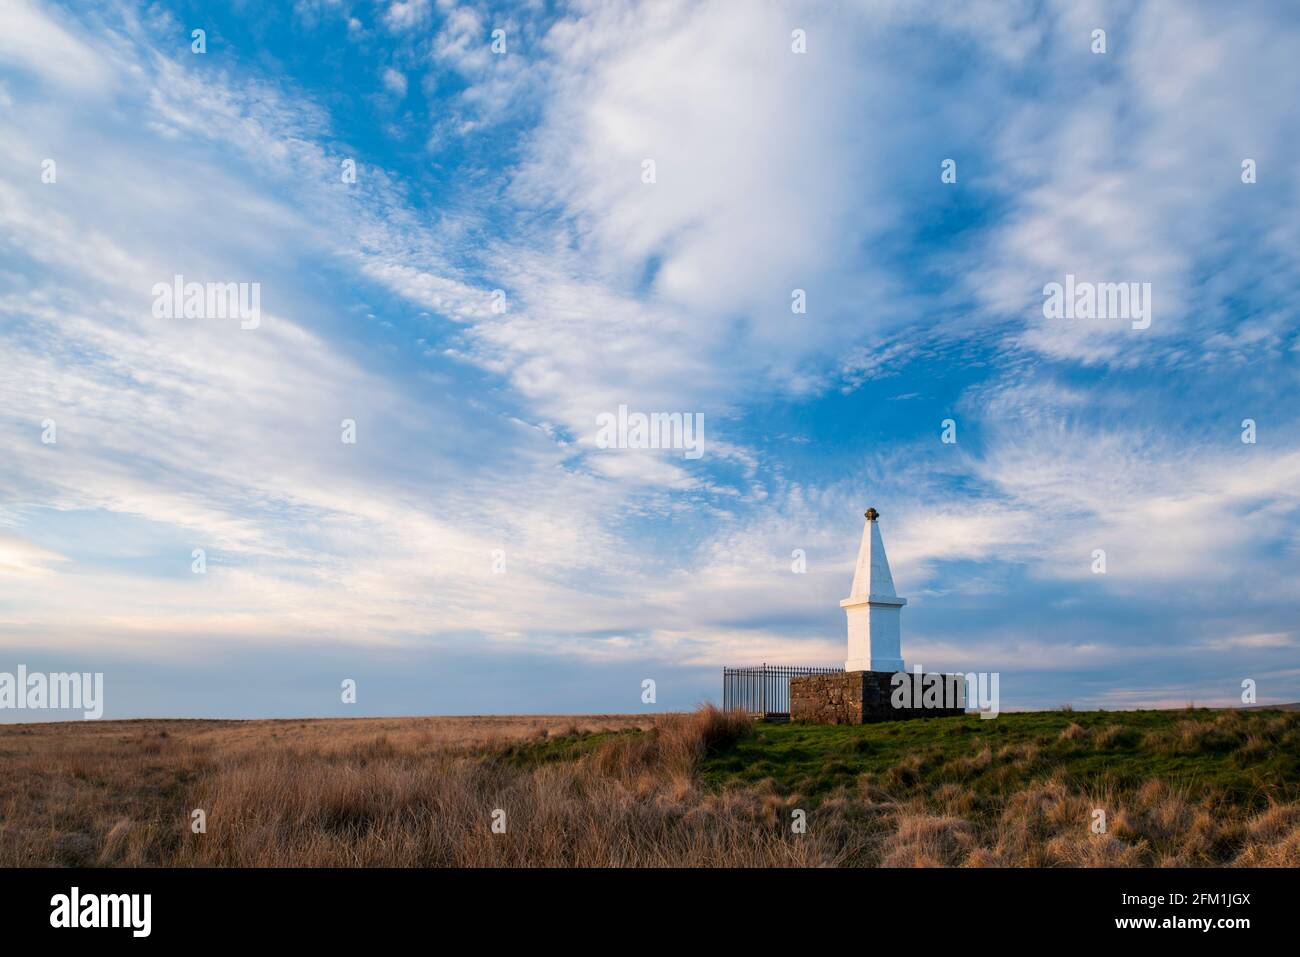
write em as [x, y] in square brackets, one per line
[1240, 757]
[535, 752]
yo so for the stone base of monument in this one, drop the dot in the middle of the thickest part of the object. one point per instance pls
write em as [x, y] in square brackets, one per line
[862, 697]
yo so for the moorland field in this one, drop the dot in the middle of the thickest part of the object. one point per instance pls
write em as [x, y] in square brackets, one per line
[1193, 787]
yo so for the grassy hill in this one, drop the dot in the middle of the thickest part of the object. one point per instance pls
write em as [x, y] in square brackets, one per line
[1244, 759]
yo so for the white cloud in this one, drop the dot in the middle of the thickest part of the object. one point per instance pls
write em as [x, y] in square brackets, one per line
[22, 559]
[1132, 172]
[37, 44]
[229, 439]
[405, 15]
[395, 82]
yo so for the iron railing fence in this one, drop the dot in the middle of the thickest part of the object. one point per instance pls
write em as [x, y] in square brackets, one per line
[764, 690]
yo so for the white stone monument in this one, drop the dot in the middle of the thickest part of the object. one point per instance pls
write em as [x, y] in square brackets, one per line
[873, 607]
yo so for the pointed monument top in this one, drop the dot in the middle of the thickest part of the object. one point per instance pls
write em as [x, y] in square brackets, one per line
[871, 577]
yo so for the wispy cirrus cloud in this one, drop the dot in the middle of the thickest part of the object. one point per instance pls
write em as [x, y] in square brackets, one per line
[775, 171]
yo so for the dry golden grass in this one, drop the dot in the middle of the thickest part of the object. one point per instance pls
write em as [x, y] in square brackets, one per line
[121, 792]
[422, 792]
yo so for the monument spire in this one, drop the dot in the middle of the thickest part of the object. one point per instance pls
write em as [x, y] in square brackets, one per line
[873, 606]
[872, 576]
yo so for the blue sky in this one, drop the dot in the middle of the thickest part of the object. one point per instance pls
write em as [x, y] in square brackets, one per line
[521, 171]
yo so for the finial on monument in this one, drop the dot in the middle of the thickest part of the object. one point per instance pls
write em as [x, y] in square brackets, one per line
[871, 514]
